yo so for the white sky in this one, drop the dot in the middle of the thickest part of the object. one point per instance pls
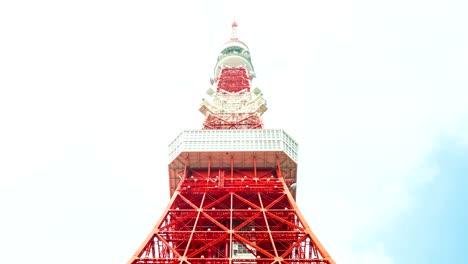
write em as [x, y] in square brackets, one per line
[92, 92]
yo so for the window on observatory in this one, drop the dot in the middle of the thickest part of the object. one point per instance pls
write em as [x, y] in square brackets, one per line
[232, 49]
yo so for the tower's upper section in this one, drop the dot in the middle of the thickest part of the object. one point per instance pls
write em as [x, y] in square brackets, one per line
[233, 134]
[234, 53]
[231, 101]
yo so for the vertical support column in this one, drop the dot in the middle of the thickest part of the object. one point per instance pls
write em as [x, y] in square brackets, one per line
[209, 167]
[221, 178]
[278, 168]
[232, 166]
[184, 174]
[231, 229]
[255, 166]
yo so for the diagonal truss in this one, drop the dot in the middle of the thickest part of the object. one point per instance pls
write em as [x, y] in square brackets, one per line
[231, 224]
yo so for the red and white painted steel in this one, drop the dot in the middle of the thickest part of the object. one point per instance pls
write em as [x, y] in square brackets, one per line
[232, 183]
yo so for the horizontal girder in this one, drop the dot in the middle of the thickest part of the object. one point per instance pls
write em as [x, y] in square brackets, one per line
[233, 215]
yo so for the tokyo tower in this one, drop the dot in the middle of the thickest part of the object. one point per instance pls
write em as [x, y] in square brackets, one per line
[232, 183]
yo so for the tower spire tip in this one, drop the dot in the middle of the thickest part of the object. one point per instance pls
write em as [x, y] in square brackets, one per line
[234, 29]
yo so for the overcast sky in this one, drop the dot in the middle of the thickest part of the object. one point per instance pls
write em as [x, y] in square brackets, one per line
[375, 93]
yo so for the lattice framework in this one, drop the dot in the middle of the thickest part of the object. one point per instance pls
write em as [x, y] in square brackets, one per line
[230, 215]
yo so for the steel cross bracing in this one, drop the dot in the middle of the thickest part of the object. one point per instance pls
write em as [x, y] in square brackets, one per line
[230, 215]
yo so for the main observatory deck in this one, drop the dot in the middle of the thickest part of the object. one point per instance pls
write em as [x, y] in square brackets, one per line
[247, 148]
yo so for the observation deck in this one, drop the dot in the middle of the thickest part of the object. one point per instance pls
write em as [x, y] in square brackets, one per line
[240, 148]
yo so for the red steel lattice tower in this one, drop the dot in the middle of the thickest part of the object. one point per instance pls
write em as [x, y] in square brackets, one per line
[232, 184]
